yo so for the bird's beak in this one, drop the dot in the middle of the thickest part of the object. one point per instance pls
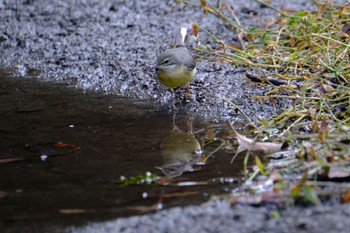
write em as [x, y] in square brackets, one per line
[153, 68]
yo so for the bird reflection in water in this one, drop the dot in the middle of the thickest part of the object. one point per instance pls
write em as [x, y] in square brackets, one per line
[180, 151]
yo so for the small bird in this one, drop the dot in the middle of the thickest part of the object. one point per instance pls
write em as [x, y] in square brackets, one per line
[180, 151]
[176, 66]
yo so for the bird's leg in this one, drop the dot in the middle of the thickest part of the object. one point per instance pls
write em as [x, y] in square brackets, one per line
[174, 109]
[189, 123]
[188, 91]
[174, 121]
[173, 99]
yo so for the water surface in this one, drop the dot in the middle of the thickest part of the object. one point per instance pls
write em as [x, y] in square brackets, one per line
[62, 151]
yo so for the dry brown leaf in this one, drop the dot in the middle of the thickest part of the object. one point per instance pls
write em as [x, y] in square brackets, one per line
[261, 147]
[65, 145]
[345, 198]
[195, 30]
[262, 198]
[264, 148]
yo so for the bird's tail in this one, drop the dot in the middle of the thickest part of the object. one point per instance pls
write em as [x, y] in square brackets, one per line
[180, 37]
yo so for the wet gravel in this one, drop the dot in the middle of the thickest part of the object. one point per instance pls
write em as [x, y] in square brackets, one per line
[111, 47]
[218, 216]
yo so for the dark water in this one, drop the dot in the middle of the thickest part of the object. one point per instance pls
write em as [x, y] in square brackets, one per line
[61, 151]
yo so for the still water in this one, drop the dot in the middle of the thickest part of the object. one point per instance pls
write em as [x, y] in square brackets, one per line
[62, 153]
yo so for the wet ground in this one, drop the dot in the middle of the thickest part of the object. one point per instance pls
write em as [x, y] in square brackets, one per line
[62, 153]
[111, 47]
[102, 46]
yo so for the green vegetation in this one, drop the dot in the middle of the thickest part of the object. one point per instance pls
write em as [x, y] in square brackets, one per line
[305, 58]
[147, 178]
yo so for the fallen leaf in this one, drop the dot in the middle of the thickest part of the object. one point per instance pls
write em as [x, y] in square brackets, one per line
[338, 172]
[65, 145]
[261, 147]
[259, 199]
[195, 30]
[245, 143]
[345, 198]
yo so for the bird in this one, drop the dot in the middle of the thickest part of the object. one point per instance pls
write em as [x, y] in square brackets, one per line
[176, 66]
[180, 152]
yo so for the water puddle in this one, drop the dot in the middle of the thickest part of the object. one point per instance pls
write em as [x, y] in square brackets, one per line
[62, 154]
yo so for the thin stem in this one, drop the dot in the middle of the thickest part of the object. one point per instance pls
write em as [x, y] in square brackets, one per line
[241, 111]
[273, 8]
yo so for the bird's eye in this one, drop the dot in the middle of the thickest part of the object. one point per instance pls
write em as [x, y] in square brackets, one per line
[166, 61]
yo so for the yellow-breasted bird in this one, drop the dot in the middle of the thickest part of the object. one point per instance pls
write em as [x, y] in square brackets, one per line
[176, 66]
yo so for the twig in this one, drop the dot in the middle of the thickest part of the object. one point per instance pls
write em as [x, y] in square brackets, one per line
[273, 8]
[241, 111]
